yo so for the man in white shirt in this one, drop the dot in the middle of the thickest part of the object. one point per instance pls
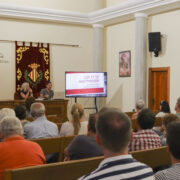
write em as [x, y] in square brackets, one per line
[40, 127]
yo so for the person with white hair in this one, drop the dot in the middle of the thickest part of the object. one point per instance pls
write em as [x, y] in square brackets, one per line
[139, 106]
[6, 112]
[15, 151]
[40, 127]
[26, 91]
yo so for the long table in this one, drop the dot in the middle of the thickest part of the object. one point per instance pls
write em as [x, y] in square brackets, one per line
[53, 107]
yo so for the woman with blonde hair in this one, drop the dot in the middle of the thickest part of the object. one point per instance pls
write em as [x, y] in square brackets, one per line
[77, 125]
[26, 91]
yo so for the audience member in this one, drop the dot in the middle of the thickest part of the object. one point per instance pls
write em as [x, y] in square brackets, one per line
[84, 146]
[47, 93]
[15, 151]
[20, 111]
[40, 127]
[6, 112]
[145, 138]
[165, 121]
[139, 106]
[164, 109]
[113, 135]
[29, 101]
[177, 108]
[77, 125]
[173, 145]
[26, 91]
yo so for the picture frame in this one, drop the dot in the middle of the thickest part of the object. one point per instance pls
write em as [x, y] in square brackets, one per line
[125, 63]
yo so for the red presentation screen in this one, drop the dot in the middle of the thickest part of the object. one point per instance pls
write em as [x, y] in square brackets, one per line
[86, 84]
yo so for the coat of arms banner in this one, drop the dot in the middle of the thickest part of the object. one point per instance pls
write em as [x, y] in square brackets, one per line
[32, 66]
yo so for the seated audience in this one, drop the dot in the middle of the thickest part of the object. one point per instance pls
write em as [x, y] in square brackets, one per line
[165, 121]
[15, 151]
[139, 106]
[145, 138]
[84, 146]
[177, 108]
[164, 109]
[28, 102]
[47, 93]
[173, 145]
[40, 127]
[26, 91]
[113, 135]
[77, 125]
[6, 112]
[20, 111]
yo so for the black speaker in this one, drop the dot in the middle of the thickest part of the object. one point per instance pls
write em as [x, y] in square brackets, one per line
[154, 42]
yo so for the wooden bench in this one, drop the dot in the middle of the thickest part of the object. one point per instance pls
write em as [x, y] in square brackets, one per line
[59, 126]
[70, 170]
[153, 157]
[54, 144]
[74, 169]
[129, 114]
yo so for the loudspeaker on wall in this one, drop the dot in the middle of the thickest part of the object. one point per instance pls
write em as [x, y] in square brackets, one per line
[155, 42]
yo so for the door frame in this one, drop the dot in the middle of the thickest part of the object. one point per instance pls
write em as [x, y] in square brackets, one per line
[150, 86]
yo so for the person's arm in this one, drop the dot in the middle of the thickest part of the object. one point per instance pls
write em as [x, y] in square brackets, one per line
[30, 91]
[66, 154]
[42, 94]
[24, 96]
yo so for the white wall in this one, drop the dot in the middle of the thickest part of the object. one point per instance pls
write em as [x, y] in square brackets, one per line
[121, 93]
[62, 58]
[113, 2]
[169, 26]
[71, 5]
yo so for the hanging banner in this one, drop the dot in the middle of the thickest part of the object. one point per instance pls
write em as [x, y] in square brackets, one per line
[32, 66]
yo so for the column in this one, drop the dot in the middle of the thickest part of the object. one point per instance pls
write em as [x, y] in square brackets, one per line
[98, 53]
[140, 56]
[98, 47]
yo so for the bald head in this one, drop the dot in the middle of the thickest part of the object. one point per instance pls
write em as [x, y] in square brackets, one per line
[37, 110]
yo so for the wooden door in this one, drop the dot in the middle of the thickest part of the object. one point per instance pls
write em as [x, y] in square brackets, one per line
[158, 86]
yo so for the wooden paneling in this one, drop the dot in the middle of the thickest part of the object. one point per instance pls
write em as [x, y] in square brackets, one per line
[54, 108]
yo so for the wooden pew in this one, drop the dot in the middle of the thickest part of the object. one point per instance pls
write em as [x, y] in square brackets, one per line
[59, 125]
[50, 145]
[73, 169]
[66, 142]
[129, 114]
[54, 144]
[70, 170]
[153, 157]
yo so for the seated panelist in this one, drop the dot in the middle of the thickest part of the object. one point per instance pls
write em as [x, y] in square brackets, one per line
[26, 91]
[47, 92]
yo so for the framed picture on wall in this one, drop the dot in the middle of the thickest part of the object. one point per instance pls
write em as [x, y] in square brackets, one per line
[125, 64]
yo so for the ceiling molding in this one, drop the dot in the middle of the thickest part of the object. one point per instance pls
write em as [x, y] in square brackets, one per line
[107, 16]
[43, 14]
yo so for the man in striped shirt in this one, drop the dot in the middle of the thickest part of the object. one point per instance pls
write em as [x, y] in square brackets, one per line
[113, 135]
[173, 145]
